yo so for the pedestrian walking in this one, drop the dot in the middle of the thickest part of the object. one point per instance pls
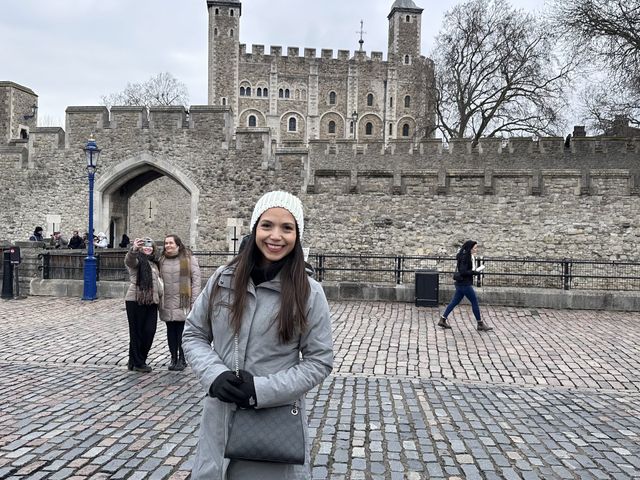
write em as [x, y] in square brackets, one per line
[142, 300]
[465, 270]
[259, 336]
[180, 273]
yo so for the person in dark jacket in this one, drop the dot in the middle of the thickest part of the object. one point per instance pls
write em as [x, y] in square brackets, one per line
[37, 235]
[76, 241]
[463, 277]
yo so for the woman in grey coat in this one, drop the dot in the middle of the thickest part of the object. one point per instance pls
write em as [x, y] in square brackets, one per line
[264, 314]
[180, 272]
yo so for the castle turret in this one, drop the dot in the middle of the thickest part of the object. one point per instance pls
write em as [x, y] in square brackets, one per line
[18, 111]
[224, 34]
[405, 23]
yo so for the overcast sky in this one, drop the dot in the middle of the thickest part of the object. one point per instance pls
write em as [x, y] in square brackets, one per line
[71, 52]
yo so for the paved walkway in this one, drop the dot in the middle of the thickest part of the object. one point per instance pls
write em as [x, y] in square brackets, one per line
[548, 395]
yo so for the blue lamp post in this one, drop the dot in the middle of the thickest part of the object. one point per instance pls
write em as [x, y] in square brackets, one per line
[92, 153]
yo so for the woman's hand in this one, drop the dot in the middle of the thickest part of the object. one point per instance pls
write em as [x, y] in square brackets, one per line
[137, 244]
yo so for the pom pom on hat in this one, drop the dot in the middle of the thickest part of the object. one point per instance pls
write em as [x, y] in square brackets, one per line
[279, 199]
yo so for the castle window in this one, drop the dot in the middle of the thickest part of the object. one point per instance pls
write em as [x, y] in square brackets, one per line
[391, 129]
[351, 127]
[242, 92]
[368, 128]
[405, 130]
[224, 100]
[407, 19]
[370, 100]
[215, 31]
[248, 91]
[258, 92]
[252, 120]
[332, 98]
[407, 60]
[231, 12]
[332, 127]
[407, 101]
[265, 92]
[281, 93]
[390, 102]
[297, 94]
[231, 32]
[292, 124]
[24, 134]
[217, 11]
[287, 93]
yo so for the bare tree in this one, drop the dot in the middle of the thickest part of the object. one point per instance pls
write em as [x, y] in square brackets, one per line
[609, 31]
[163, 89]
[497, 73]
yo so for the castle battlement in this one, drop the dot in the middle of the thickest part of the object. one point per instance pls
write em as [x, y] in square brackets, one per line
[258, 52]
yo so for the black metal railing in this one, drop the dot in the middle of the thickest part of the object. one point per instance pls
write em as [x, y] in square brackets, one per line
[391, 269]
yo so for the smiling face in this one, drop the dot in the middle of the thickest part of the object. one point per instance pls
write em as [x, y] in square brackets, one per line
[276, 234]
[170, 246]
[474, 250]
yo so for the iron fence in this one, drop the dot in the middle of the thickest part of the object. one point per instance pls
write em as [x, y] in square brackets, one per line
[390, 269]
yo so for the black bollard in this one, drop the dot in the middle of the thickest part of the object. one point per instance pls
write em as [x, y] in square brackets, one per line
[7, 275]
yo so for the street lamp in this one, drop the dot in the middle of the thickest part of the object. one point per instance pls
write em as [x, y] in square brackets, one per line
[354, 119]
[92, 153]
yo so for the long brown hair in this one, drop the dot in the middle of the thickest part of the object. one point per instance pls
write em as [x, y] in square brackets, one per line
[183, 251]
[291, 317]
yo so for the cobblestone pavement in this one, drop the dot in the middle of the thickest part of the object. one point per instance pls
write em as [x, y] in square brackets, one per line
[547, 395]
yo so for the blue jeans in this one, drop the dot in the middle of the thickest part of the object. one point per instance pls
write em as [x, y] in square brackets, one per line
[461, 292]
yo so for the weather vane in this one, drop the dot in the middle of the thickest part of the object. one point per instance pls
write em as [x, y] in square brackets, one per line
[361, 32]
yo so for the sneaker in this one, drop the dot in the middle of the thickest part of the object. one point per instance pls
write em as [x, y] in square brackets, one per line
[443, 322]
[483, 327]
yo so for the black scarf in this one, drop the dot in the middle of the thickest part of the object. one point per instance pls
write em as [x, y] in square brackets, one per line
[144, 282]
[267, 272]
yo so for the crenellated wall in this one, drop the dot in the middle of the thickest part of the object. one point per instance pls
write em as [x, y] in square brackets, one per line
[169, 170]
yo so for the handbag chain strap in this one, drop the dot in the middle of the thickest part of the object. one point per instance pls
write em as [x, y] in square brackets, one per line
[294, 407]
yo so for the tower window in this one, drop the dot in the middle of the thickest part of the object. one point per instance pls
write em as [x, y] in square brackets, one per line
[407, 101]
[405, 130]
[332, 98]
[287, 94]
[231, 13]
[265, 92]
[217, 11]
[332, 127]
[224, 100]
[248, 92]
[292, 124]
[252, 120]
[215, 31]
[242, 91]
[390, 129]
[368, 128]
[231, 32]
[370, 100]
[281, 93]
[407, 19]
[407, 60]
[390, 102]
[258, 92]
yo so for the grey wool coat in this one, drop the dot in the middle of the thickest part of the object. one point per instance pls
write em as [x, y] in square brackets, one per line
[170, 310]
[283, 373]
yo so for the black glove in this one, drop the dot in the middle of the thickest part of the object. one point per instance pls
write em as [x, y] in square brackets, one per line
[248, 399]
[225, 387]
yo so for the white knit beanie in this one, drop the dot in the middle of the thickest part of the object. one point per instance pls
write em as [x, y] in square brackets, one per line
[279, 199]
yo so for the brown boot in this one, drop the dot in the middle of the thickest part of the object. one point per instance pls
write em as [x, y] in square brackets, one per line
[443, 322]
[483, 327]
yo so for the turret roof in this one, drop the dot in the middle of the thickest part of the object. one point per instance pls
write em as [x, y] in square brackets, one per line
[403, 4]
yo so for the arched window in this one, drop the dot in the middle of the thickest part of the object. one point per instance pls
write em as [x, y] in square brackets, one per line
[231, 12]
[368, 129]
[242, 91]
[370, 100]
[215, 31]
[405, 130]
[281, 93]
[224, 100]
[286, 93]
[407, 101]
[217, 11]
[391, 129]
[390, 102]
[252, 120]
[332, 98]
[258, 92]
[292, 124]
[407, 59]
[407, 18]
[231, 32]
[265, 92]
[332, 127]
[248, 92]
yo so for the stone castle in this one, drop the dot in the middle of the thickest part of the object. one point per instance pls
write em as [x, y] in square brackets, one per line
[198, 172]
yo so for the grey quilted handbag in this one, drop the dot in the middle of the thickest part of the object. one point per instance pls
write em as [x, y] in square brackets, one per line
[273, 434]
[267, 435]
